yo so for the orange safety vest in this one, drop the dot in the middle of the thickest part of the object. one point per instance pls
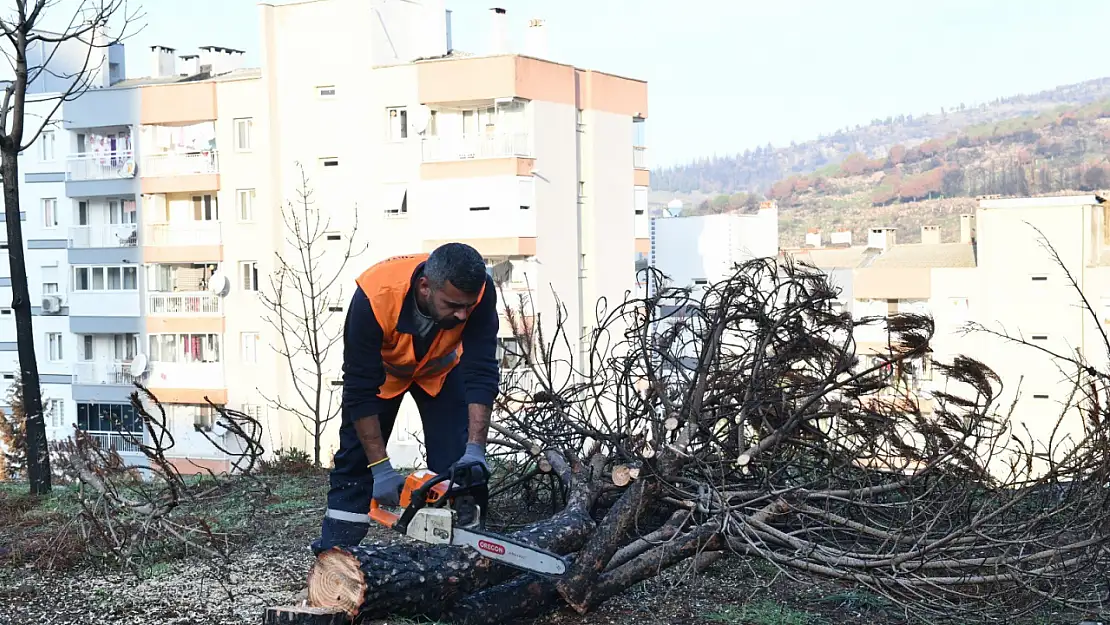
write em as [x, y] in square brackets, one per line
[386, 284]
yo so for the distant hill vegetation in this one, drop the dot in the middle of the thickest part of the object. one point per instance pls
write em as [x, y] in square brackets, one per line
[1044, 146]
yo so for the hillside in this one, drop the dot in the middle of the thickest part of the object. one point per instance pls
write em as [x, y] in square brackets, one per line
[758, 169]
[1061, 150]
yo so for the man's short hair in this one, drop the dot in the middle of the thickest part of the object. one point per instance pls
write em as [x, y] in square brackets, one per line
[457, 263]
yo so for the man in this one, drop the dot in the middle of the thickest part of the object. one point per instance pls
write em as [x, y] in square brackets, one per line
[424, 324]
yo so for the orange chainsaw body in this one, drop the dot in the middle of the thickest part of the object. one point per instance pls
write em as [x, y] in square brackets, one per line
[415, 480]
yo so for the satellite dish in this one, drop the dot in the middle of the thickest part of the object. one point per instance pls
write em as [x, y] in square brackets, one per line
[218, 284]
[138, 365]
[419, 118]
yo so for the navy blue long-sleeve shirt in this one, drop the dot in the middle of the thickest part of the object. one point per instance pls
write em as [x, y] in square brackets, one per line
[363, 373]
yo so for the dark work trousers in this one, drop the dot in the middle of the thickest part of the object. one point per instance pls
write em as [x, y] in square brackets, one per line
[445, 421]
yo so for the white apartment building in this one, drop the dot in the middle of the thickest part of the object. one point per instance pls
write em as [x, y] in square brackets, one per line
[152, 207]
[537, 164]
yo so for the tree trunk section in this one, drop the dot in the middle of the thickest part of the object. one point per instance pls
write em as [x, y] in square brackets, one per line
[38, 458]
[420, 580]
[305, 615]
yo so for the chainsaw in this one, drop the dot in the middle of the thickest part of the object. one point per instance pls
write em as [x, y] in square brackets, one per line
[427, 516]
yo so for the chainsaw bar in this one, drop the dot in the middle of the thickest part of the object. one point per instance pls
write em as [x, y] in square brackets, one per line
[507, 551]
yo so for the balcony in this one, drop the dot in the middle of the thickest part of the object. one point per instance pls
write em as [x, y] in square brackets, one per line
[183, 234]
[120, 443]
[107, 235]
[180, 164]
[476, 146]
[102, 166]
[108, 373]
[180, 172]
[639, 157]
[183, 304]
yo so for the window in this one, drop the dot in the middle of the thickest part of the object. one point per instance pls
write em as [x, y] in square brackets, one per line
[640, 200]
[581, 189]
[46, 146]
[398, 123]
[49, 288]
[49, 212]
[330, 161]
[55, 410]
[204, 418]
[185, 348]
[399, 211]
[122, 278]
[249, 343]
[54, 346]
[1039, 278]
[244, 204]
[326, 92]
[108, 418]
[253, 411]
[243, 129]
[125, 346]
[479, 208]
[248, 275]
[86, 347]
[334, 236]
[206, 208]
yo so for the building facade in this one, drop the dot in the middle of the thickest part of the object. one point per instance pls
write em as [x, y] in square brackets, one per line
[537, 164]
[156, 209]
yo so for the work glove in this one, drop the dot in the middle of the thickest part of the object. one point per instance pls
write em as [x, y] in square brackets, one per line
[387, 484]
[475, 453]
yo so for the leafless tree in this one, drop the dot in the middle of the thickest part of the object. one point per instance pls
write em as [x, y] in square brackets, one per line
[31, 50]
[130, 508]
[743, 422]
[305, 305]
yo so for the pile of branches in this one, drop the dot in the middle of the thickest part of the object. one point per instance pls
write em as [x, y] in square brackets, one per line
[132, 509]
[743, 421]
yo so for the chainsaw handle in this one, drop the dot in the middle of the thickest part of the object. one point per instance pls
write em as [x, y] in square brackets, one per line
[381, 515]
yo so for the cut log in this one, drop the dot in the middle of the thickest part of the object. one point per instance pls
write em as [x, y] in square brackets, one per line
[305, 615]
[415, 579]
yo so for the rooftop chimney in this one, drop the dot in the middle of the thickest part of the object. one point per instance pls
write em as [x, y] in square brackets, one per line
[220, 59]
[535, 39]
[813, 238]
[162, 61]
[967, 228]
[930, 235]
[190, 64]
[499, 32]
[881, 238]
[841, 237]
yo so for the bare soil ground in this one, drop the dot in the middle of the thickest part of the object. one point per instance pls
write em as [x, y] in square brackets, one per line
[47, 577]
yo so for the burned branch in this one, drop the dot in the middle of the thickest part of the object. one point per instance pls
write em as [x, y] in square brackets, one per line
[743, 421]
[132, 508]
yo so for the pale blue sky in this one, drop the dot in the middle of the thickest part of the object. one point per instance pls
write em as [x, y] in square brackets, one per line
[725, 75]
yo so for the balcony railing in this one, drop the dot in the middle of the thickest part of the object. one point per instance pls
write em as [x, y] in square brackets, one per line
[639, 157]
[466, 147]
[114, 440]
[184, 233]
[100, 166]
[183, 304]
[110, 373]
[108, 235]
[180, 164]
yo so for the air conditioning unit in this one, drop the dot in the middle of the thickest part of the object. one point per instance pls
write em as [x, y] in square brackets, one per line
[51, 304]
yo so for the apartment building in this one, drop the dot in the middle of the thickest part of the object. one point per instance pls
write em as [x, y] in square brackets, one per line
[700, 250]
[537, 164]
[153, 207]
[1025, 292]
[126, 257]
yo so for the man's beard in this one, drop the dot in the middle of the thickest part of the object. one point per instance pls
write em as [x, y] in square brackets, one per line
[447, 323]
